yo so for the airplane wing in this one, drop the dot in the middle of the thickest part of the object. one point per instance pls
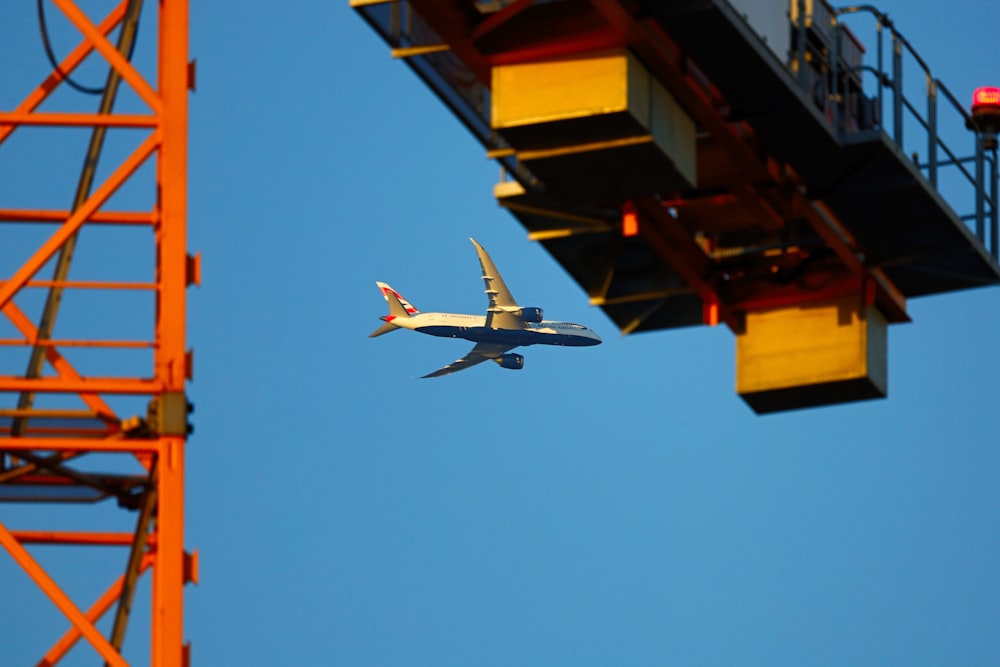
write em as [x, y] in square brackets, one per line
[480, 353]
[498, 314]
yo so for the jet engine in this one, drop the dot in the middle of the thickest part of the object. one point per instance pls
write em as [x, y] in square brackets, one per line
[533, 315]
[511, 360]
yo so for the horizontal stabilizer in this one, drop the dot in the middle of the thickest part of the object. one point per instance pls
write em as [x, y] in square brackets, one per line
[384, 329]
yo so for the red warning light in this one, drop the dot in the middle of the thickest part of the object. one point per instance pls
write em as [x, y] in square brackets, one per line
[630, 220]
[710, 313]
[986, 100]
[986, 115]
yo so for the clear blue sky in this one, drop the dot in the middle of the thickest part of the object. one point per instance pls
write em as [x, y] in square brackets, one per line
[617, 505]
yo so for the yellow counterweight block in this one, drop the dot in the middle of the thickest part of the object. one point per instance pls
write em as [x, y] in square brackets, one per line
[596, 124]
[830, 351]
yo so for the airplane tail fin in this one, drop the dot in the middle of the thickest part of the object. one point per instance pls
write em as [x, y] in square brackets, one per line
[387, 291]
[398, 307]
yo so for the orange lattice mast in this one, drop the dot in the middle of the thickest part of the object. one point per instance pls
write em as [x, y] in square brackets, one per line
[106, 387]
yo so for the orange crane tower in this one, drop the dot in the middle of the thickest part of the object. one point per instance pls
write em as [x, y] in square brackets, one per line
[104, 389]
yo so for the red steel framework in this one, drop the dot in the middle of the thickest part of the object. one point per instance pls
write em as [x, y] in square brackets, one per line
[60, 414]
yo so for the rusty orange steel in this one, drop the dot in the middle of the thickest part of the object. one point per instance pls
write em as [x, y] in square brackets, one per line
[88, 410]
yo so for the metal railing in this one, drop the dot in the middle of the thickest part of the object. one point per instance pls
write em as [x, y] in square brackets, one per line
[907, 114]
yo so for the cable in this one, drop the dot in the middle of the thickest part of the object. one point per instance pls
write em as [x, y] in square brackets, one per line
[44, 30]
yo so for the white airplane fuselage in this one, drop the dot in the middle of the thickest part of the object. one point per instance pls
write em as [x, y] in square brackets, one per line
[473, 327]
[505, 326]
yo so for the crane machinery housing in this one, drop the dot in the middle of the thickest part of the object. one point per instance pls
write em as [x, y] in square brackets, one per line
[754, 163]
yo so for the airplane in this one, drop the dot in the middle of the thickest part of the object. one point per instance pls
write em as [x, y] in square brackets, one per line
[504, 327]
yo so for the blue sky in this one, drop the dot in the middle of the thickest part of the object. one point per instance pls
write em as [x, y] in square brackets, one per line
[615, 505]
